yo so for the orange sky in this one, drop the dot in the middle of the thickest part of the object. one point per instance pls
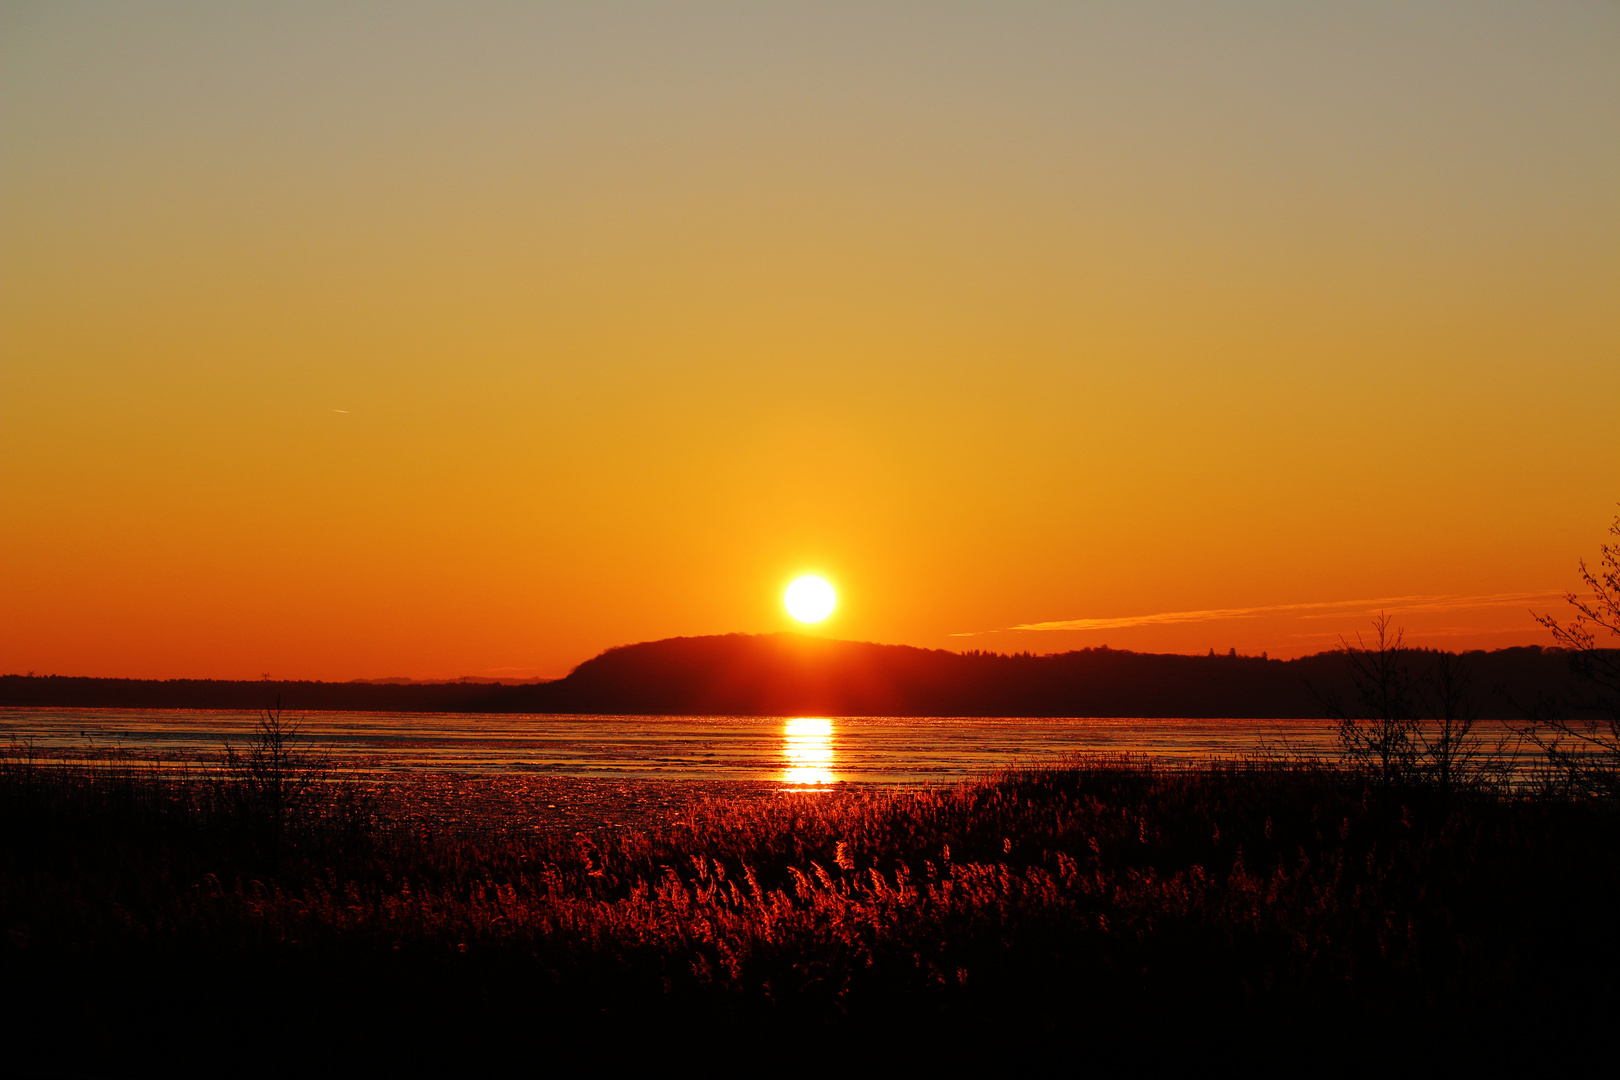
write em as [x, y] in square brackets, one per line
[374, 341]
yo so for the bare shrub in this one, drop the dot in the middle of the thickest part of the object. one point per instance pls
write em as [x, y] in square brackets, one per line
[276, 782]
[1452, 757]
[1581, 736]
[1377, 731]
[1406, 729]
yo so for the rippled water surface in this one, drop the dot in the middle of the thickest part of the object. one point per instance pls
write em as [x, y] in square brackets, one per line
[796, 750]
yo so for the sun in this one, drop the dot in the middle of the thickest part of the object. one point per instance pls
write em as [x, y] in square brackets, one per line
[810, 598]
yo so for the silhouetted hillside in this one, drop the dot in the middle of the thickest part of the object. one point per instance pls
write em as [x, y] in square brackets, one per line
[788, 674]
[785, 674]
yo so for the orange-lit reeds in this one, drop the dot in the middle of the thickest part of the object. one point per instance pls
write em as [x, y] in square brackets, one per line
[1088, 894]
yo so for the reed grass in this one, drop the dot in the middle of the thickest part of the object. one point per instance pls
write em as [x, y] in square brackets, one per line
[1084, 909]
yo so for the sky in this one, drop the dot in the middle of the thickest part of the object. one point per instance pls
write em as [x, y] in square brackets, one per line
[430, 340]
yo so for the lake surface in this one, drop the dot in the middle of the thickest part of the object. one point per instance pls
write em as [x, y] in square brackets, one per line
[793, 750]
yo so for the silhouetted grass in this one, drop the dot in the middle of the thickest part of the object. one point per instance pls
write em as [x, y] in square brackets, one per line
[1096, 912]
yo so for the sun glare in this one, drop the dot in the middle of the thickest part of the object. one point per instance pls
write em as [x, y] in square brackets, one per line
[810, 598]
[808, 750]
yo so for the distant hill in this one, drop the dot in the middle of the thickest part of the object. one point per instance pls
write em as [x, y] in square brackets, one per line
[797, 674]
[787, 674]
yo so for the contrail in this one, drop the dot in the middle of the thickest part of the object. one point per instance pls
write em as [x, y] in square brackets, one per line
[1391, 603]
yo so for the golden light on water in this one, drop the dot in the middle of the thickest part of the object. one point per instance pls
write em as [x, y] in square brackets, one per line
[808, 750]
[810, 598]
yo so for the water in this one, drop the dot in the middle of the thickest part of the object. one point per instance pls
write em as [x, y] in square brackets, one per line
[794, 750]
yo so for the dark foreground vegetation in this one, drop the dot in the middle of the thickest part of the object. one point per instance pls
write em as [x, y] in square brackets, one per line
[237, 920]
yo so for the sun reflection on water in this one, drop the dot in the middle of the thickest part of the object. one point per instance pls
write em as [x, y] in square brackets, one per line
[808, 749]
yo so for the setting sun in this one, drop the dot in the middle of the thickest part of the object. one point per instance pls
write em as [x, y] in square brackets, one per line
[810, 599]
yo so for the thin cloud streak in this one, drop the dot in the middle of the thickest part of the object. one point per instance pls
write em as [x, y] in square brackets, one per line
[1456, 603]
[1428, 633]
[1328, 608]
